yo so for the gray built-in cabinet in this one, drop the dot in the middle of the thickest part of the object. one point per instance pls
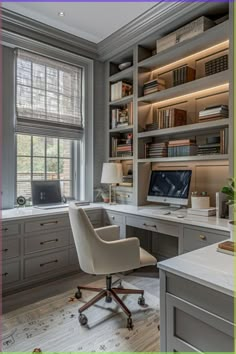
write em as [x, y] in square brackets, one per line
[38, 249]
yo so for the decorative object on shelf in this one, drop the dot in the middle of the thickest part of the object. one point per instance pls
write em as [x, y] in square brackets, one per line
[153, 86]
[216, 65]
[121, 89]
[213, 113]
[183, 75]
[21, 201]
[200, 200]
[230, 192]
[121, 117]
[190, 30]
[125, 65]
[112, 173]
[122, 146]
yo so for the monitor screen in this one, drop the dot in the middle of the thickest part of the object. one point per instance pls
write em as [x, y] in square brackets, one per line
[170, 186]
[46, 192]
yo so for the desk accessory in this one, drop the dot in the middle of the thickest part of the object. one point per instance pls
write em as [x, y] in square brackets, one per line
[202, 212]
[200, 201]
[227, 247]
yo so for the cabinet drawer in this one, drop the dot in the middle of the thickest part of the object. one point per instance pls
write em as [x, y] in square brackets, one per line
[197, 238]
[10, 248]
[73, 258]
[10, 272]
[46, 241]
[46, 224]
[46, 263]
[10, 229]
[153, 225]
[114, 218]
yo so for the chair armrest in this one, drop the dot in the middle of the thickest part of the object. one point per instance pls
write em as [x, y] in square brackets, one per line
[109, 233]
[118, 256]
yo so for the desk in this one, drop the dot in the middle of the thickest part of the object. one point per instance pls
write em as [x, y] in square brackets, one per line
[38, 244]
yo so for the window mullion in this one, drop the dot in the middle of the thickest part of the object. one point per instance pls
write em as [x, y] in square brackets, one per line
[31, 159]
[58, 159]
[45, 158]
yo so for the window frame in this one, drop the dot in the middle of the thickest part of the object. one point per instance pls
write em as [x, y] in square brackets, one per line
[31, 156]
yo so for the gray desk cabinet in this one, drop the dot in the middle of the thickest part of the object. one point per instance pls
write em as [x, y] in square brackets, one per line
[194, 318]
[115, 218]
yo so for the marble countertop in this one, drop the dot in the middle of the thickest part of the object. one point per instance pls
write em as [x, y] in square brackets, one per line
[205, 266]
[147, 210]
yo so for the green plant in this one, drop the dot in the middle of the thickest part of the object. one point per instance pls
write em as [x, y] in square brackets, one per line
[230, 191]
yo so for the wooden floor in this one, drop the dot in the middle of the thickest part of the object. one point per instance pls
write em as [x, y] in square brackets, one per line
[145, 278]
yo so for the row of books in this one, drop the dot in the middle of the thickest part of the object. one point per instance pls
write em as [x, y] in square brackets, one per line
[213, 113]
[183, 74]
[153, 86]
[122, 146]
[121, 117]
[169, 118]
[183, 147]
[121, 89]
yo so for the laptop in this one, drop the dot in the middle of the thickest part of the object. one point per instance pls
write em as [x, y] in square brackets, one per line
[47, 195]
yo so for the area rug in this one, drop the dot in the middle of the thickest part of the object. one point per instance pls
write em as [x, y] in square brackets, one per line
[52, 325]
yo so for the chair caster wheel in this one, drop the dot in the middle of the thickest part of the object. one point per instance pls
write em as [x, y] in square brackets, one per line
[141, 301]
[130, 323]
[83, 320]
[78, 294]
[108, 299]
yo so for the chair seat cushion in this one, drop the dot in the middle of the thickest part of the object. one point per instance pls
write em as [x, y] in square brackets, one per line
[146, 258]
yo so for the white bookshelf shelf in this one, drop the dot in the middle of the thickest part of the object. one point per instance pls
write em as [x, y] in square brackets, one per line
[190, 128]
[122, 101]
[186, 158]
[122, 75]
[121, 129]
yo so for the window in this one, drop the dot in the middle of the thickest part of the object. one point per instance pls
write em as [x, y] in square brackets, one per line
[43, 158]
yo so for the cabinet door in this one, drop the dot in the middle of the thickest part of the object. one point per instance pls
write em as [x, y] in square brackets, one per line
[10, 247]
[192, 326]
[10, 272]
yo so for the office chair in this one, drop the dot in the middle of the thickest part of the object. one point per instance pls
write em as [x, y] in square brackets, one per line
[101, 252]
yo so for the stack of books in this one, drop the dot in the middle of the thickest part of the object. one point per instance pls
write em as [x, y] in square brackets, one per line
[208, 149]
[184, 147]
[127, 181]
[121, 117]
[151, 126]
[123, 146]
[153, 86]
[228, 247]
[156, 150]
[121, 89]
[213, 113]
[173, 117]
[183, 74]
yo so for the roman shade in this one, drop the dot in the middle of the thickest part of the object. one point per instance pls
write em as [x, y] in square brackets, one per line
[49, 96]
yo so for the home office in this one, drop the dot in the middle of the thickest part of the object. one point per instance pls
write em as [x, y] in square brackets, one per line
[143, 124]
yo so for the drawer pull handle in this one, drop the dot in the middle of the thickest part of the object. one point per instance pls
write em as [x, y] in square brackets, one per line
[46, 263]
[48, 241]
[5, 274]
[48, 223]
[5, 250]
[148, 225]
[5, 229]
[202, 237]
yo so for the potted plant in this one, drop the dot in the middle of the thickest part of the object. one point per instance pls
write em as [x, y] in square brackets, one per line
[103, 194]
[230, 191]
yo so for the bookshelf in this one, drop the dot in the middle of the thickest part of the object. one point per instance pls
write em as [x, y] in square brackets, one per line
[193, 97]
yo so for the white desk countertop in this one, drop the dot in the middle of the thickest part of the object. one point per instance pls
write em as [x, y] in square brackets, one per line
[148, 211]
[204, 266]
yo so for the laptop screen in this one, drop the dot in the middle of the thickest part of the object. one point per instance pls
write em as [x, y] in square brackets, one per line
[46, 192]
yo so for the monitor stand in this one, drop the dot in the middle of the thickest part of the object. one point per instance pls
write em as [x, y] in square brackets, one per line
[173, 207]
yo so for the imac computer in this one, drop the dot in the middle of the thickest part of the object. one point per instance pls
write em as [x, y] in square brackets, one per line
[170, 187]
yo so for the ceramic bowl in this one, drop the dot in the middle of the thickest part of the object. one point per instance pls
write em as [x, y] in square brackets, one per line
[124, 66]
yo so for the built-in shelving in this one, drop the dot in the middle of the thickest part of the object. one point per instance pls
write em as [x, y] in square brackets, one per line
[190, 128]
[203, 41]
[190, 88]
[122, 75]
[121, 129]
[122, 101]
[187, 158]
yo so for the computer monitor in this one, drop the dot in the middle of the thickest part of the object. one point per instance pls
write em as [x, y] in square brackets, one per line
[170, 187]
[46, 192]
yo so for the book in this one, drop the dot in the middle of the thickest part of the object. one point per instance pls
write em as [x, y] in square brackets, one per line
[183, 74]
[228, 247]
[202, 212]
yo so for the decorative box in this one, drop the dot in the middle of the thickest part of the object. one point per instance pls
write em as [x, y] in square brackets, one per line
[216, 65]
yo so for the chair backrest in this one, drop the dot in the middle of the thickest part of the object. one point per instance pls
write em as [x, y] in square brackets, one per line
[87, 242]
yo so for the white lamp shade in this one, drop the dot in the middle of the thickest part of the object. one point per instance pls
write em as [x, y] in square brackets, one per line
[112, 173]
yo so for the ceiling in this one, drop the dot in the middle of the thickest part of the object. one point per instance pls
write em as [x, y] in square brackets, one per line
[93, 21]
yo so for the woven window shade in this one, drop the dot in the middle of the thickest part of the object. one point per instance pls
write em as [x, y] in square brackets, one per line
[48, 96]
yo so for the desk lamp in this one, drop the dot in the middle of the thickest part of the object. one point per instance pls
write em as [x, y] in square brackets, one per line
[111, 174]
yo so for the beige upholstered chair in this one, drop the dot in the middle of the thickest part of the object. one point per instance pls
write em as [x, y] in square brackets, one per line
[100, 251]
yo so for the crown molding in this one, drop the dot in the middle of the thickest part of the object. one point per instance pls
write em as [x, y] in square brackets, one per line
[25, 26]
[160, 18]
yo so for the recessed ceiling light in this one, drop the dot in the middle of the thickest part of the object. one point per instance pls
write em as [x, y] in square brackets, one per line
[61, 13]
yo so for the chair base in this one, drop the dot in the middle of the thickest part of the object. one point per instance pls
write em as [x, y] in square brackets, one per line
[109, 293]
